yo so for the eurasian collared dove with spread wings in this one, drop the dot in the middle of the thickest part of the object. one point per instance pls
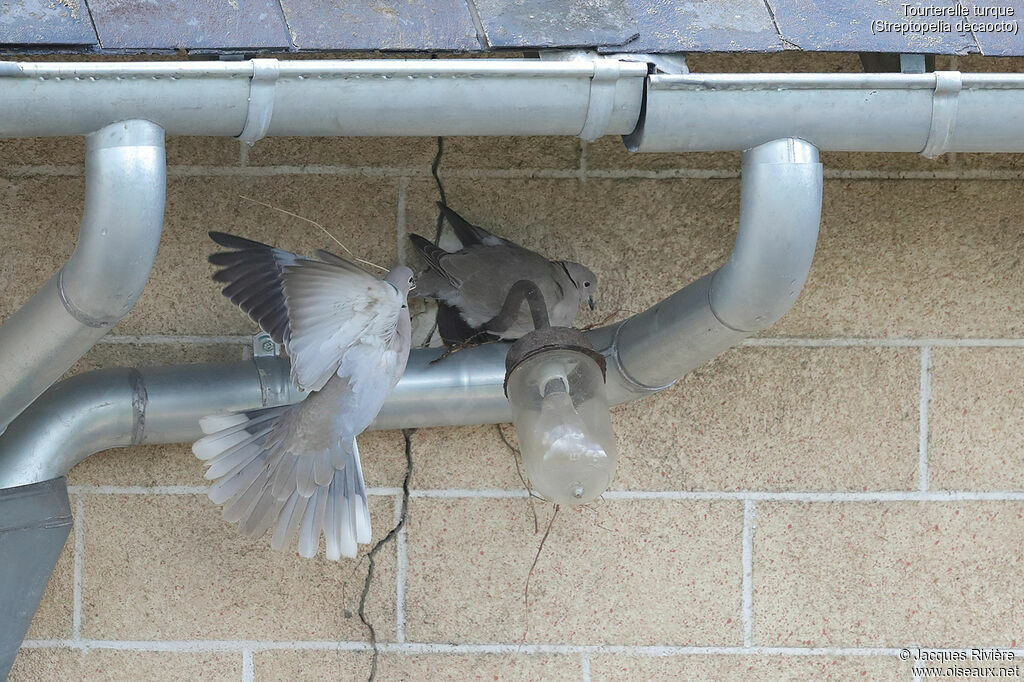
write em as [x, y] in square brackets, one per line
[296, 468]
[476, 279]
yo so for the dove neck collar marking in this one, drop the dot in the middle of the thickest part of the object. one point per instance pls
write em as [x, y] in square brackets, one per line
[566, 270]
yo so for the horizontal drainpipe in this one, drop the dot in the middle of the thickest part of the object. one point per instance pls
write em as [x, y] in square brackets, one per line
[123, 406]
[117, 242]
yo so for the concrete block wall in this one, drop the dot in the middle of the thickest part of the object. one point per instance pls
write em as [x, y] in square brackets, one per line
[847, 484]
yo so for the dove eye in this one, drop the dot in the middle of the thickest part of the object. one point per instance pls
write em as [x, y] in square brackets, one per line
[586, 284]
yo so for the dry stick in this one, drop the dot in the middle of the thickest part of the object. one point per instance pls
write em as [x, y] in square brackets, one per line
[471, 342]
[605, 320]
[516, 454]
[322, 229]
[536, 558]
[372, 554]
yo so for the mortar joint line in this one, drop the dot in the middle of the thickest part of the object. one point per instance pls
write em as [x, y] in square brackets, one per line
[926, 397]
[401, 572]
[413, 648]
[618, 495]
[248, 669]
[76, 597]
[583, 162]
[585, 667]
[770, 341]
[995, 175]
[749, 516]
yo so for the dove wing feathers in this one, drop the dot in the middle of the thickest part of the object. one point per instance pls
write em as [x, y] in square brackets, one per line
[330, 310]
[295, 469]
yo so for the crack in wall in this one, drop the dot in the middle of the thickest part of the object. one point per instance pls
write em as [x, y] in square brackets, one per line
[443, 198]
[372, 554]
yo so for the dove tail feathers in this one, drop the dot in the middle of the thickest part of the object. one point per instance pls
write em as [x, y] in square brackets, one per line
[266, 482]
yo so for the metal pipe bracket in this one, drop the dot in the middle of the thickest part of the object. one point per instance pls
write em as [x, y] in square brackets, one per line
[945, 104]
[262, 87]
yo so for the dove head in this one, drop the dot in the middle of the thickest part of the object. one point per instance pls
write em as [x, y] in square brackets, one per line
[584, 280]
[402, 278]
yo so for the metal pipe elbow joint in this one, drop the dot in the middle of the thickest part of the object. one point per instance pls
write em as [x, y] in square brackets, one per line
[780, 210]
[126, 181]
[125, 186]
[124, 406]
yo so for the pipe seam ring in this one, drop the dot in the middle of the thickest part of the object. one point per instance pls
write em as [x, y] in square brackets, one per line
[262, 86]
[140, 400]
[613, 352]
[601, 104]
[945, 105]
[78, 313]
[711, 306]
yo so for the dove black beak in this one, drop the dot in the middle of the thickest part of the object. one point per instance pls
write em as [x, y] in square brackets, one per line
[590, 302]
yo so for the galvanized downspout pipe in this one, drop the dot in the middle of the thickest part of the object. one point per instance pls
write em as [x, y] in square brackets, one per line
[124, 206]
[125, 406]
[125, 182]
[35, 521]
[779, 213]
[780, 210]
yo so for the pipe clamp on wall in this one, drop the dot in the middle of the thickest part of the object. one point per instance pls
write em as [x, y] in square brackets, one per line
[945, 104]
[602, 98]
[262, 85]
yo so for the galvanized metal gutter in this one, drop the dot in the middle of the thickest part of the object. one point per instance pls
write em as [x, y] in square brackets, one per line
[390, 97]
[927, 113]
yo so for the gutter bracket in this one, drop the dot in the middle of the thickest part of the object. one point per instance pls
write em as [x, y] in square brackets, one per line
[672, 63]
[913, 63]
[276, 387]
[262, 85]
[264, 346]
[602, 98]
[945, 104]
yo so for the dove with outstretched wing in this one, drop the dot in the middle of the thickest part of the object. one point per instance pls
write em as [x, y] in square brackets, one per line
[295, 469]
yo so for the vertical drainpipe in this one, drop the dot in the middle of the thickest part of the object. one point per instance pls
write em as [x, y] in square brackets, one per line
[780, 209]
[35, 521]
[125, 185]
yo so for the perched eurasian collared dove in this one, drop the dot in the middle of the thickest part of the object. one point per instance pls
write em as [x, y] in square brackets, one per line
[296, 468]
[476, 279]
